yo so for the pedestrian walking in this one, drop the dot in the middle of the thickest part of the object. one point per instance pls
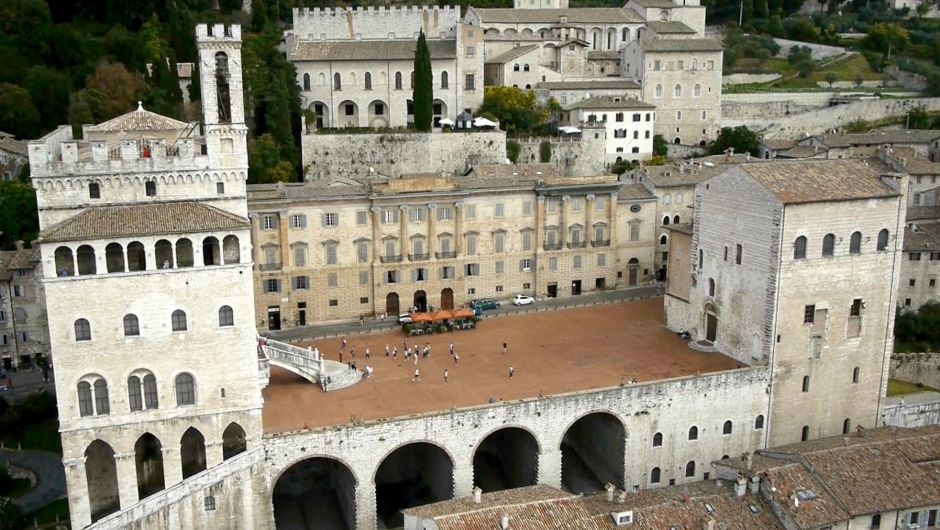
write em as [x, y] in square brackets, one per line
[451, 349]
[394, 353]
[344, 343]
[504, 348]
[417, 375]
[362, 320]
[416, 359]
[445, 375]
[387, 352]
[341, 356]
[368, 355]
[456, 358]
[510, 372]
[352, 351]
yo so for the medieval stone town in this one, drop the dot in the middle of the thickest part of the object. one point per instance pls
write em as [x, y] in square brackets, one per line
[669, 303]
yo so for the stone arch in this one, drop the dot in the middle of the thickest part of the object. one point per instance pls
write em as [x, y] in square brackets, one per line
[593, 449]
[315, 492]
[439, 111]
[507, 457]
[163, 254]
[192, 452]
[87, 264]
[101, 476]
[414, 473]
[136, 256]
[611, 39]
[625, 35]
[185, 257]
[148, 456]
[211, 251]
[347, 114]
[114, 257]
[447, 298]
[392, 304]
[596, 38]
[378, 114]
[321, 113]
[231, 251]
[710, 321]
[64, 262]
[234, 441]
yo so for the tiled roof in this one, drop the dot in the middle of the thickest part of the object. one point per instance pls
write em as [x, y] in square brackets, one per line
[925, 239]
[21, 258]
[673, 26]
[143, 220]
[680, 45]
[305, 50]
[14, 146]
[775, 144]
[600, 15]
[806, 181]
[600, 84]
[672, 176]
[514, 53]
[685, 228]
[633, 192]
[913, 162]
[901, 136]
[139, 120]
[654, 3]
[810, 513]
[923, 213]
[800, 151]
[609, 102]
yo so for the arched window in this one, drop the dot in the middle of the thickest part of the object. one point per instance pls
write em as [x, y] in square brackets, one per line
[131, 325]
[805, 383]
[337, 81]
[654, 476]
[102, 405]
[662, 239]
[726, 429]
[665, 220]
[799, 248]
[659, 91]
[150, 391]
[82, 329]
[846, 426]
[693, 433]
[306, 81]
[658, 439]
[94, 190]
[855, 243]
[226, 316]
[711, 287]
[690, 469]
[625, 35]
[234, 441]
[855, 373]
[525, 68]
[397, 80]
[135, 395]
[179, 320]
[231, 253]
[515, 67]
[114, 257]
[677, 91]
[883, 239]
[86, 260]
[368, 80]
[697, 90]
[759, 422]
[829, 245]
[444, 80]
[701, 258]
[185, 389]
[86, 405]
[675, 219]
[805, 434]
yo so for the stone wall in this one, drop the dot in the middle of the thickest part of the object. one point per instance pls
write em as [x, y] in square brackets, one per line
[923, 368]
[820, 51]
[744, 79]
[902, 414]
[669, 407]
[396, 153]
[908, 80]
[572, 157]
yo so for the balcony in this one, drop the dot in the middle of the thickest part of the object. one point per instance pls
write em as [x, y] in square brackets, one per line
[419, 257]
[578, 244]
[391, 258]
[271, 266]
[552, 246]
[600, 243]
[446, 255]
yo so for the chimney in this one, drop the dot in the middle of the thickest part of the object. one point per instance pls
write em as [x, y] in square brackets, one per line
[755, 484]
[610, 491]
[708, 523]
[504, 523]
[477, 495]
[740, 487]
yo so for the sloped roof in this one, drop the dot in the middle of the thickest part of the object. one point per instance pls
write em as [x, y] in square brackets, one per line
[894, 136]
[609, 102]
[805, 181]
[653, 3]
[14, 146]
[21, 258]
[515, 170]
[305, 50]
[600, 15]
[143, 220]
[925, 239]
[600, 84]
[633, 192]
[680, 45]
[514, 53]
[139, 120]
[670, 27]
[923, 213]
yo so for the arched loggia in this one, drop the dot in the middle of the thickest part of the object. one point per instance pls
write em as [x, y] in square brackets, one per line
[315, 494]
[592, 453]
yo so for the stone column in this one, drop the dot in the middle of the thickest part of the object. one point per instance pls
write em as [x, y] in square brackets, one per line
[127, 267]
[463, 477]
[431, 235]
[172, 466]
[589, 217]
[127, 478]
[563, 228]
[282, 221]
[403, 230]
[213, 453]
[458, 228]
[612, 219]
[76, 482]
[365, 505]
[550, 467]
[150, 256]
[173, 262]
[255, 239]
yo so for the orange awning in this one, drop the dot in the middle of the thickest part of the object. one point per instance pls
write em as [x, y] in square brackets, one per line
[421, 318]
[443, 315]
[463, 313]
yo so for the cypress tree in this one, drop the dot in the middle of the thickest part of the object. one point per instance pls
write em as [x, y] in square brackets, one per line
[423, 95]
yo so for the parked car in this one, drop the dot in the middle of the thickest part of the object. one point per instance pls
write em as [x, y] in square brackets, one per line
[477, 311]
[521, 299]
[404, 318]
[484, 304]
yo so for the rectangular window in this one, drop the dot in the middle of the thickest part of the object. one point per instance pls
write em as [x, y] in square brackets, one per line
[914, 256]
[361, 217]
[330, 219]
[417, 215]
[809, 314]
[499, 242]
[600, 204]
[550, 206]
[575, 205]
[525, 264]
[3, 316]
[389, 216]
[447, 273]
[527, 240]
[498, 210]
[363, 277]
[634, 231]
[738, 250]
[527, 208]
[469, 51]
[267, 222]
[472, 269]
[331, 254]
[419, 275]
[577, 262]
[499, 267]
[934, 256]
[856, 310]
[911, 282]
[469, 82]
[300, 255]
[331, 280]
[391, 276]
[364, 300]
[19, 291]
[499, 288]
[301, 282]
[334, 302]
[298, 220]
[362, 251]
[471, 245]
[933, 282]
[470, 211]
[601, 260]
[272, 285]
[553, 264]
[445, 213]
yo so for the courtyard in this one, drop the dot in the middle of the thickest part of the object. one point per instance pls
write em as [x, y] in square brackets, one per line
[552, 352]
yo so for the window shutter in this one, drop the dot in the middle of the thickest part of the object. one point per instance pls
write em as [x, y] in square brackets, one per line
[521, 265]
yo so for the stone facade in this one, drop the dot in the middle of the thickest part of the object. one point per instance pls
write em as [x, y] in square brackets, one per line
[336, 250]
[13, 156]
[142, 405]
[628, 124]
[24, 333]
[572, 155]
[756, 292]
[918, 368]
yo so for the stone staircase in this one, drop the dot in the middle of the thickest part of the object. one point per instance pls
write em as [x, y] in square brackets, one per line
[309, 364]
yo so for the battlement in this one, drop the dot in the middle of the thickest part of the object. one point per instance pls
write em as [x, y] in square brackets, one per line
[58, 153]
[218, 33]
[308, 12]
[374, 22]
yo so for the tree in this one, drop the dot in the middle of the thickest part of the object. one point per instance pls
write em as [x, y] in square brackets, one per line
[742, 139]
[512, 150]
[265, 163]
[18, 114]
[422, 94]
[49, 90]
[831, 78]
[885, 37]
[19, 217]
[11, 516]
[660, 147]
[119, 89]
[515, 109]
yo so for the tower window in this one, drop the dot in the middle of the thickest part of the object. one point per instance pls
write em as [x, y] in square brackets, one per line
[94, 190]
[150, 187]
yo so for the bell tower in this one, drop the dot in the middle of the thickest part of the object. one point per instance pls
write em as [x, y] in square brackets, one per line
[223, 96]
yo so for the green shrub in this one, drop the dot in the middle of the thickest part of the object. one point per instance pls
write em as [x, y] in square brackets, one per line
[545, 152]
[512, 150]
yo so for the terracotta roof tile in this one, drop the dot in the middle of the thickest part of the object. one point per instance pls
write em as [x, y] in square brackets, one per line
[632, 192]
[305, 50]
[668, 27]
[139, 120]
[600, 84]
[681, 45]
[514, 53]
[806, 181]
[143, 220]
[610, 102]
[925, 239]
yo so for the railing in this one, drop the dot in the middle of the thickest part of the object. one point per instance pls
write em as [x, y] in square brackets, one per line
[446, 255]
[419, 257]
[390, 259]
[309, 360]
[601, 243]
[577, 244]
[274, 266]
[552, 246]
